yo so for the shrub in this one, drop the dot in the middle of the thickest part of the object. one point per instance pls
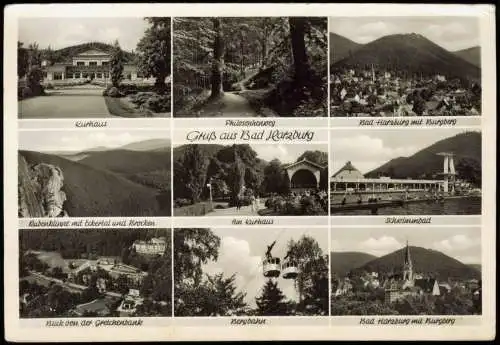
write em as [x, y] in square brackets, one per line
[152, 101]
[113, 92]
[182, 202]
[26, 92]
[159, 103]
[199, 209]
[49, 86]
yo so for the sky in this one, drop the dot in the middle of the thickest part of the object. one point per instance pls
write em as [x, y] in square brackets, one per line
[461, 243]
[242, 251]
[368, 149]
[64, 32]
[451, 33]
[53, 141]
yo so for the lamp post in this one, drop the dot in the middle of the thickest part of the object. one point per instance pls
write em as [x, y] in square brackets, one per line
[209, 185]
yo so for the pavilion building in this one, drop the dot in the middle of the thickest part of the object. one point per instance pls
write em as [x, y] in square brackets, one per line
[93, 64]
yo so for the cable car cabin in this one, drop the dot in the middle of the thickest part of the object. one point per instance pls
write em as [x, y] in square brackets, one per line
[290, 269]
[272, 267]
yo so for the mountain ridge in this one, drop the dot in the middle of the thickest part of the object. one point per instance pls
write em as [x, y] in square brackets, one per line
[426, 261]
[426, 163]
[413, 53]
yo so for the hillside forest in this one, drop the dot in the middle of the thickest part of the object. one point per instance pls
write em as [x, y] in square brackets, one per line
[234, 67]
[200, 294]
[102, 182]
[236, 172]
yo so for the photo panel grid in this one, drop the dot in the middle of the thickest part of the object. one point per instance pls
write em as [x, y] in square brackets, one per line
[406, 271]
[250, 272]
[95, 273]
[406, 172]
[405, 66]
[96, 173]
[250, 66]
[250, 180]
[94, 67]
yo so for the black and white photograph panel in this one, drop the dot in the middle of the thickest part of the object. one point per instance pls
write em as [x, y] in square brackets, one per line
[250, 67]
[95, 273]
[406, 172]
[402, 271]
[253, 272]
[405, 66]
[250, 180]
[94, 67]
[94, 173]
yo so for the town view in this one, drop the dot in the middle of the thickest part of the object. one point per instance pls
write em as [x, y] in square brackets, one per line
[398, 67]
[94, 272]
[396, 272]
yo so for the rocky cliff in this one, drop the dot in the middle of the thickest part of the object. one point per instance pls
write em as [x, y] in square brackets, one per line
[40, 190]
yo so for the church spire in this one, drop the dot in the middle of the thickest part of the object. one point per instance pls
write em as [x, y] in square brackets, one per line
[407, 255]
[408, 266]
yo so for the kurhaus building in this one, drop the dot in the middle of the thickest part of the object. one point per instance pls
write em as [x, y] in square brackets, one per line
[89, 64]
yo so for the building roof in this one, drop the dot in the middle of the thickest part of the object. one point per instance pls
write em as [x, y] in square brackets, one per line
[426, 284]
[92, 52]
[347, 167]
[304, 161]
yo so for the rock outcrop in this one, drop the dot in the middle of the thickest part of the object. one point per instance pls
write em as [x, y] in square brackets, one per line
[40, 190]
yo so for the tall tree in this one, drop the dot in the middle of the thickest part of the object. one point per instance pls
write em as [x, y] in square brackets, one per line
[272, 301]
[312, 281]
[191, 171]
[193, 248]
[154, 50]
[236, 176]
[275, 178]
[22, 60]
[297, 35]
[218, 59]
[116, 64]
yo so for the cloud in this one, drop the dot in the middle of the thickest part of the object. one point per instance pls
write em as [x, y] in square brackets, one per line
[365, 152]
[80, 141]
[380, 246]
[456, 243]
[270, 152]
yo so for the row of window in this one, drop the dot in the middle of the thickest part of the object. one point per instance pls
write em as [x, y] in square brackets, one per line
[92, 63]
[98, 75]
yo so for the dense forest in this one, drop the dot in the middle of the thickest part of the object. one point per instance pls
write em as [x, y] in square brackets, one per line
[271, 66]
[83, 243]
[200, 294]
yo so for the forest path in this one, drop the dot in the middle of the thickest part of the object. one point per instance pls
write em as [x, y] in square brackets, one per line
[234, 105]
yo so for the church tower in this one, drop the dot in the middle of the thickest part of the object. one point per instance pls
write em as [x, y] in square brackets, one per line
[408, 266]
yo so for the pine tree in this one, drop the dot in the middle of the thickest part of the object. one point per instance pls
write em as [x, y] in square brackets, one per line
[272, 301]
[117, 60]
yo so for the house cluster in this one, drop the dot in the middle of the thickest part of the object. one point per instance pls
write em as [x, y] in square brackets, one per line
[154, 246]
[403, 284]
[114, 268]
[368, 93]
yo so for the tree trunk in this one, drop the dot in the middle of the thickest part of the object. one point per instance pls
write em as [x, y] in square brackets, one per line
[297, 32]
[218, 62]
[264, 52]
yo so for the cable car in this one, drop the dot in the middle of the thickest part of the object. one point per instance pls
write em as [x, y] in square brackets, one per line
[290, 269]
[272, 267]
